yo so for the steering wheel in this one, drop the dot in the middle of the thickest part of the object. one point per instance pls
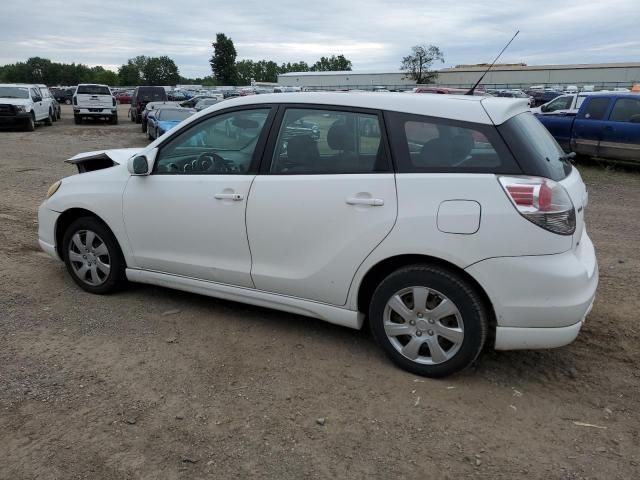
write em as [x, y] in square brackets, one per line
[211, 161]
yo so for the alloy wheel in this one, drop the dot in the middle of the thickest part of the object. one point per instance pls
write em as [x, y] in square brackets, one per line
[89, 257]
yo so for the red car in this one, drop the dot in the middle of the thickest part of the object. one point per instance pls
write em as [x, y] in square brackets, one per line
[124, 97]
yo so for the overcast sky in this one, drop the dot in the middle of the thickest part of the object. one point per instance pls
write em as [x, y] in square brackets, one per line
[373, 34]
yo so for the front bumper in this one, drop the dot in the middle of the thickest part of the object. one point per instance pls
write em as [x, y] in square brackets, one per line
[540, 301]
[15, 119]
[47, 220]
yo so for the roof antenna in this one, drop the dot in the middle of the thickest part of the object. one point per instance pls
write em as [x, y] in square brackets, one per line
[473, 89]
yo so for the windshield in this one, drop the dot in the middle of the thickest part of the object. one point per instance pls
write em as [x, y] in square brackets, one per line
[152, 94]
[173, 115]
[14, 92]
[93, 90]
[533, 146]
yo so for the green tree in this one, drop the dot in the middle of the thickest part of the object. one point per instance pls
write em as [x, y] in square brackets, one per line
[418, 64]
[332, 64]
[223, 60]
[102, 75]
[161, 71]
[300, 66]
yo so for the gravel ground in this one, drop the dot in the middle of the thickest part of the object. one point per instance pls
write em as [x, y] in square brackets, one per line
[153, 383]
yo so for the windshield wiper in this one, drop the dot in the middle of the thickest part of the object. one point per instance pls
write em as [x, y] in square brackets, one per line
[568, 158]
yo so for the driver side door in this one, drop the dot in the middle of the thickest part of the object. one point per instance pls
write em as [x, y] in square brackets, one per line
[187, 217]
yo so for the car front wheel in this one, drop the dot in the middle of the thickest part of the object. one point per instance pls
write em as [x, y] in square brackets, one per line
[430, 321]
[93, 257]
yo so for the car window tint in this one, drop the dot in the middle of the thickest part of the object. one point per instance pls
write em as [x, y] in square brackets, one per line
[93, 90]
[434, 146]
[560, 103]
[224, 144]
[314, 141]
[596, 108]
[626, 110]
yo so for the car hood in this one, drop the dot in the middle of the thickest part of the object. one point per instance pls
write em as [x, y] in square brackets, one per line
[15, 101]
[99, 159]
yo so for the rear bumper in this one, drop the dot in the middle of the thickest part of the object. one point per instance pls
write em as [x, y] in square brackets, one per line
[540, 301]
[98, 112]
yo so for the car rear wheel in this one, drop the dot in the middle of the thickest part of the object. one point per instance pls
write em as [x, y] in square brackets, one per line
[67, 102]
[429, 320]
[114, 119]
[49, 120]
[93, 257]
[77, 119]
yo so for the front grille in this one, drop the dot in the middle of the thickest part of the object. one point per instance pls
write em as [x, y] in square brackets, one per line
[6, 110]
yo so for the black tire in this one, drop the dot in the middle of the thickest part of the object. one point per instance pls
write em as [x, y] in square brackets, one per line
[114, 119]
[49, 120]
[458, 290]
[59, 114]
[143, 127]
[116, 279]
[31, 123]
[131, 116]
[77, 119]
[149, 134]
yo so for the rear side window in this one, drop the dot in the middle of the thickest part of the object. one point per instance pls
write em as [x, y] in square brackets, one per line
[93, 90]
[314, 141]
[626, 110]
[425, 144]
[596, 109]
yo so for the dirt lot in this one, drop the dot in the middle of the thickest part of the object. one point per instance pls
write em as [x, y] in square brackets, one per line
[153, 383]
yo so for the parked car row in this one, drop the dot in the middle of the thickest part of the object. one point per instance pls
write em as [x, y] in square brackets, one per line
[23, 105]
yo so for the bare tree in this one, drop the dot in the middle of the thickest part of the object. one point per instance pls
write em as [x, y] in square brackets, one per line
[417, 65]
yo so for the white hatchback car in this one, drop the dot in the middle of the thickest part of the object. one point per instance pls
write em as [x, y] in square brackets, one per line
[456, 222]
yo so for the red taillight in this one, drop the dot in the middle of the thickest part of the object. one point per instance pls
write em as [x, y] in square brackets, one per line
[541, 201]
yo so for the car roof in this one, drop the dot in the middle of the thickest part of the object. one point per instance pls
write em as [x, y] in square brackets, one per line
[616, 94]
[469, 108]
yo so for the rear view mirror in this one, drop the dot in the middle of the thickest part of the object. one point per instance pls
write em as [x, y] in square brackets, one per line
[138, 165]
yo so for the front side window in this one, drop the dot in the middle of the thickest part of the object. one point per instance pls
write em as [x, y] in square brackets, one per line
[436, 145]
[315, 141]
[626, 110]
[560, 103]
[596, 109]
[224, 144]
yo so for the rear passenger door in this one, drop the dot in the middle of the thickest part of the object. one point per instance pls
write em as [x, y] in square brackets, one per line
[621, 134]
[324, 200]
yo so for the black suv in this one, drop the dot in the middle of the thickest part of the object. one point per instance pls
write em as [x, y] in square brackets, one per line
[143, 95]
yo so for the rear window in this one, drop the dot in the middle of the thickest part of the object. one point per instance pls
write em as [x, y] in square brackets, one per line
[537, 151]
[425, 144]
[93, 90]
[151, 94]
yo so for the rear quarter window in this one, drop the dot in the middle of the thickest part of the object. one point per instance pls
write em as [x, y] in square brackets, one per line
[425, 144]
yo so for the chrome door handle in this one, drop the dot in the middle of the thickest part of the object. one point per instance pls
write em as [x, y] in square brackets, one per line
[228, 196]
[374, 202]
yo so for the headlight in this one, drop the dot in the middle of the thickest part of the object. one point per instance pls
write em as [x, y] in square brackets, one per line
[54, 188]
[21, 108]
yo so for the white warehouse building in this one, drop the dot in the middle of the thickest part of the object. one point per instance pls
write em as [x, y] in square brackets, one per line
[604, 75]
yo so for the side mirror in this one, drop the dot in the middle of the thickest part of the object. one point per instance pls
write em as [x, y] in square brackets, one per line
[37, 99]
[138, 165]
[544, 108]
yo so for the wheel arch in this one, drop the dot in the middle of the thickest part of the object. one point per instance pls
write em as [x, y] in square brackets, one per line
[68, 217]
[385, 267]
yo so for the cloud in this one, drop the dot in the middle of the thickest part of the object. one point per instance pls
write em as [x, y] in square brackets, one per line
[374, 34]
